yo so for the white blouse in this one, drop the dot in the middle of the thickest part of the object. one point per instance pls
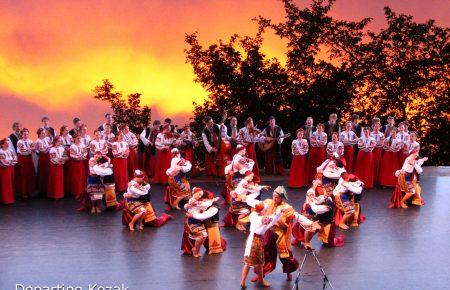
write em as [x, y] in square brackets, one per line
[337, 147]
[120, 149]
[25, 147]
[318, 139]
[43, 145]
[348, 138]
[379, 139]
[366, 144]
[58, 155]
[78, 152]
[299, 147]
[7, 157]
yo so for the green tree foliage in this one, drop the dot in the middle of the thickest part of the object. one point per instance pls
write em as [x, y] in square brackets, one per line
[331, 66]
[126, 110]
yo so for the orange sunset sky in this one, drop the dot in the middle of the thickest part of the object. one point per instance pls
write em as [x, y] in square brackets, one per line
[53, 52]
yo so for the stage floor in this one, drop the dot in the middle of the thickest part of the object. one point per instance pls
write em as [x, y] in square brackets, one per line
[46, 243]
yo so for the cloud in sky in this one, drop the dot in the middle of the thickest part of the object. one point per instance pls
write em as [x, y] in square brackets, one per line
[54, 52]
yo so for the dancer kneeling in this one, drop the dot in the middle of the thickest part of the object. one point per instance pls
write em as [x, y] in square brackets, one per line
[330, 171]
[347, 195]
[100, 177]
[235, 171]
[318, 207]
[138, 208]
[201, 225]
[243, 199]
[254, 250]
[408, 188]
[178, 175]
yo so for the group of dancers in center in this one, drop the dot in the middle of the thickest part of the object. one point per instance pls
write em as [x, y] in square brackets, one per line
[117, 160]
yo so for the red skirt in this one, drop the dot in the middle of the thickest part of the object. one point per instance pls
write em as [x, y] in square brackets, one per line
[401, 158]
[389, 164]
[364, 168]
[6, 184]
[377, 156]
[27, 175]
[162, 164]
[298, 176]
[67, 180]
[147, 162]
[43, 172]
[317, 155]
[349, 153]
[78, 177]
[190, 156]
[55, 188]
[132, 163]
[251, 153]
[120, 173]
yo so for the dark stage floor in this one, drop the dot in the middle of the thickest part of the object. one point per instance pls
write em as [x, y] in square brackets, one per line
[47, 243]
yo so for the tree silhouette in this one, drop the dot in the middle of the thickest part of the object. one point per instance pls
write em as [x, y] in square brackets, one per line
[126, 110]
[332, 66]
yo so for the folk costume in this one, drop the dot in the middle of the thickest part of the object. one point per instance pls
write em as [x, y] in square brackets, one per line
[58, 157]
[389, 161]
[377, 154]
[272, 156]
[78, 154]
[298, 176]
[132, 160]
[8, 160]
[364, 168]
[317, 153]
[43, 146]
[408, 189]
[120, 151]
[163, 146]
[178, 177]
[147, 150]
[349, 140]
[249, 137]
[347, 196]
[25, 149]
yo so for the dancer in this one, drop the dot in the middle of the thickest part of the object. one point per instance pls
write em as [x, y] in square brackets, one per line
[248, 136]
[389, 161]
[43, 145]
[178, 176]
[132, 141]
[163, 144]
[408, 188]
[135, 201]
[58, 156]
[329, 172]
[120, 152]
[235, 171]
[317, 152]
[364, 168]
[78, 153]
[201, 225]
[254, 250]
[243, 199]
[318, 207]
[349, 139]
[100, 168]
[25, 149]
[277, 241]
[335, 146]
[298, 176]
[348, 187]
[7, 161]
[377, 151]
[98, 143]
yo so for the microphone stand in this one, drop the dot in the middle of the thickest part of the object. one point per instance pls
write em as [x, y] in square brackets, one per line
[325, 277]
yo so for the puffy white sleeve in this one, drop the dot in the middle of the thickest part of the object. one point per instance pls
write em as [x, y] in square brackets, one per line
[302, 220]
[206, 142]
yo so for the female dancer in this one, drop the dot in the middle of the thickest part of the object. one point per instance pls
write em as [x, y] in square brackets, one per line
[43, 146]
[364, 161]
[389, 161]
[298, 176]
[25, 149]
[317, 152]
[56, 177]
[7, 161]
[120, 151]
[349, 139]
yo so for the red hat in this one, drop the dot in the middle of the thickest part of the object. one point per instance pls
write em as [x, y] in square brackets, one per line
[196, 190]
[138, 173]
[248, 172]
[239, 148]
[259, 207]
